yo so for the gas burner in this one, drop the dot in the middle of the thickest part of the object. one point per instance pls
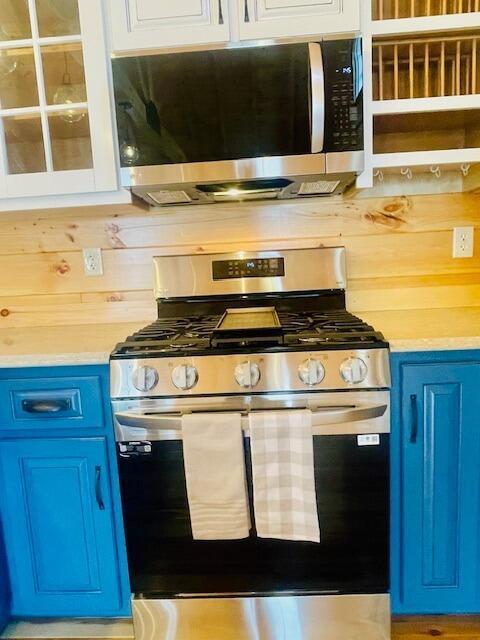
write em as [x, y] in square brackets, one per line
[340, 325]
[183, 345]
[155, 334]
[199, 331]
[309, 340]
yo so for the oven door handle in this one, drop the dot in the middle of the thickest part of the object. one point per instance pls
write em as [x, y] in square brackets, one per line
[322, 419]
[317, 97]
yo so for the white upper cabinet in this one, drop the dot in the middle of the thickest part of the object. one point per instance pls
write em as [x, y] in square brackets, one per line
[56, 134]
[286, 18]
[152, 24]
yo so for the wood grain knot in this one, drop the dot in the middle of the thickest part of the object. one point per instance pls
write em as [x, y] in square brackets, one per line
[62, 268]
[435, 632]
[4, 313]
[115, 241]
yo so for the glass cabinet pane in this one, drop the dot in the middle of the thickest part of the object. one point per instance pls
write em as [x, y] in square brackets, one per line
[14, 20]
[70, 140]
[18, 78]
[24, 144]
[63, 74]
[57, 17]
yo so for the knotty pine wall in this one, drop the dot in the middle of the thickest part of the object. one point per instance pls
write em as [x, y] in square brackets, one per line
[398, 252]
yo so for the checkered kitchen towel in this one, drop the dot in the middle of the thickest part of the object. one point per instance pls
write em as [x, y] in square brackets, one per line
[283, 475]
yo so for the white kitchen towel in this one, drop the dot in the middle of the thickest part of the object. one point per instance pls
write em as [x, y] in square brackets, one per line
[215, 473]
[284, 493]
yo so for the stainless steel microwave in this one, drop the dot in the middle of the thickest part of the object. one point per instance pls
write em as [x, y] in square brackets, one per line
[279, 121]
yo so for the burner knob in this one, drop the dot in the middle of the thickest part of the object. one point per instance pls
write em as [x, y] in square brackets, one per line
[311, 372]
[185, 376]
[247, 374]
[353, 370]
[145, 378]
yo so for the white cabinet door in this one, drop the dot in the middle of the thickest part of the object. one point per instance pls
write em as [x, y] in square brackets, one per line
[285, 18]
[153, 24]
[56, 133]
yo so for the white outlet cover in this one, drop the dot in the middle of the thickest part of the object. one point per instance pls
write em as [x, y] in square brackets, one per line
[92, 262]
[463, 241]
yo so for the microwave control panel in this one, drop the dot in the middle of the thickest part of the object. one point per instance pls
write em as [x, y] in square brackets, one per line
[344, 95]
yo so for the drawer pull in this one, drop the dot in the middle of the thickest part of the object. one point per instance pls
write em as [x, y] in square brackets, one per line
[47, 406]
[98, 488]
[246, 17]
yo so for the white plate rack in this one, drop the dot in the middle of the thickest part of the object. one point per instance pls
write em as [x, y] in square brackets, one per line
[425, 67]
[422, 88]
[398, 9]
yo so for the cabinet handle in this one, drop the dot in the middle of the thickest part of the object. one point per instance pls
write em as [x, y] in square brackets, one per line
[220, 12]
[414, 419]
[98, 488]
[247, 15]
[47, 406]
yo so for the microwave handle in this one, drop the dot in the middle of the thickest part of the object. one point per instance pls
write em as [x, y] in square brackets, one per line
[317, 93]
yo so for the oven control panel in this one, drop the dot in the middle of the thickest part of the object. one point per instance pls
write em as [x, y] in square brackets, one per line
[248, 268]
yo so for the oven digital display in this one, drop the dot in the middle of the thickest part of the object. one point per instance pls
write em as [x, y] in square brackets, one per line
[248, 268]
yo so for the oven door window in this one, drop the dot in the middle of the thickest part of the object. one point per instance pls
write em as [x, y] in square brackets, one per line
[352, 557]
[213, 105]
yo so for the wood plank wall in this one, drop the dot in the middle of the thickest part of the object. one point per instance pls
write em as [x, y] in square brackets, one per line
[399, 253]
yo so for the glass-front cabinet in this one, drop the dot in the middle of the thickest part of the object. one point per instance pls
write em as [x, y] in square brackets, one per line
[55, 118]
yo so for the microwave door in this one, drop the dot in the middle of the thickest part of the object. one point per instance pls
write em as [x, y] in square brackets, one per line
[217, 106]
[317, 97]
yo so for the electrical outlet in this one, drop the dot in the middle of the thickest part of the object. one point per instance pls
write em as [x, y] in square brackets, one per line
[463, 242]
[92, 262]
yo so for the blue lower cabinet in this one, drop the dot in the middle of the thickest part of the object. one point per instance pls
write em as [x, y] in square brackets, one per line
[436, 486]
[60, 528]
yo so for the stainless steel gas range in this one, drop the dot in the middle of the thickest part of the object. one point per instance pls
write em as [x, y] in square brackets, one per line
[256, 332]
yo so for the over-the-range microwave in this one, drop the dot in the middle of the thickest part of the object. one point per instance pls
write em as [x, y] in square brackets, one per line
[277, 121]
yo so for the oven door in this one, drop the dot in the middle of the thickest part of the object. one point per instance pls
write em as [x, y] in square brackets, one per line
[352, 483]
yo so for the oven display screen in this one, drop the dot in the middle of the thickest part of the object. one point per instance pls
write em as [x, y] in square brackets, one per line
[249, 268]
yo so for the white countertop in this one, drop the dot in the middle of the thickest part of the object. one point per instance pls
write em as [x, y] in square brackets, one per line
[406, 330]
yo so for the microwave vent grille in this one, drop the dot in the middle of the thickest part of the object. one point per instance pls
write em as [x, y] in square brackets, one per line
[169, 197]
[320, 187]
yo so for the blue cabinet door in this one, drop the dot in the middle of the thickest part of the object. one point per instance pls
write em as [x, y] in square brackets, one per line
[4, 585]
[59, 528]
[438, 546]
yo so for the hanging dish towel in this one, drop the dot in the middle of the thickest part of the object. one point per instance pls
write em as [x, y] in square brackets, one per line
[215, 473]
[283, 475]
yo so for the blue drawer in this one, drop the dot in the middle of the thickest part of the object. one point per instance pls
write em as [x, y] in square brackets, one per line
[51, 403]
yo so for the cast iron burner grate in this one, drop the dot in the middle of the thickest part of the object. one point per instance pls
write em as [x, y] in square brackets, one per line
[304, 329]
